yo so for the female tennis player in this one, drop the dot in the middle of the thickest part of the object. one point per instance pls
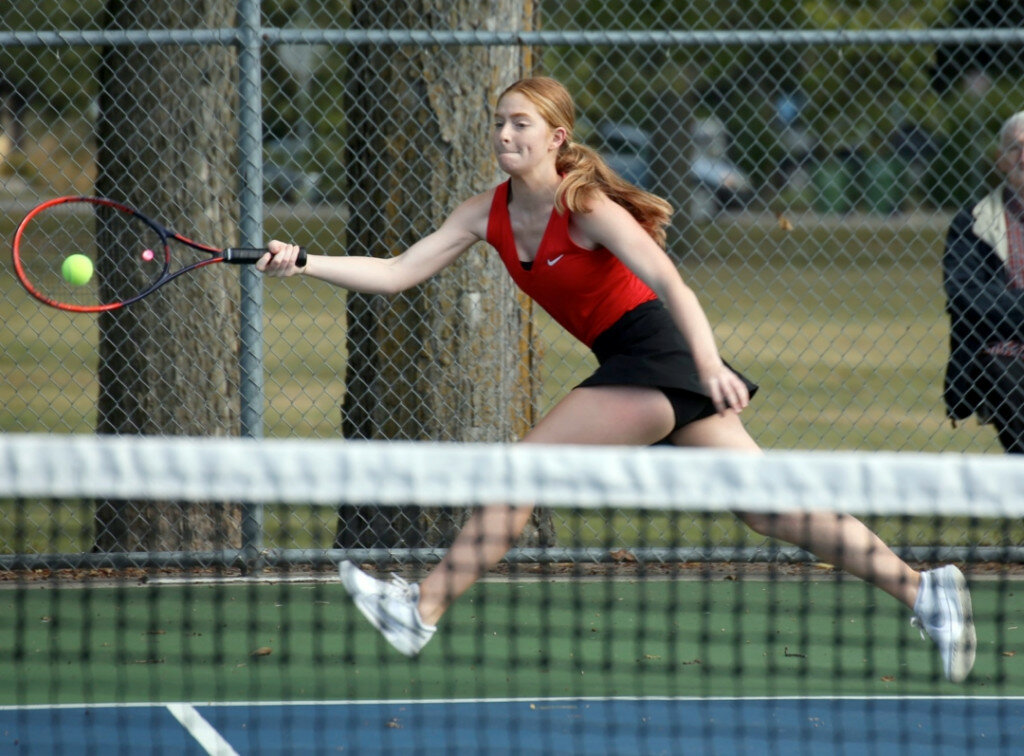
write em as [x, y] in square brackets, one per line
[589, 248]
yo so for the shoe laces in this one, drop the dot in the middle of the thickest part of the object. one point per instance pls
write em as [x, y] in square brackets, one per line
[917, 622]
[402, 589]
[928, 629]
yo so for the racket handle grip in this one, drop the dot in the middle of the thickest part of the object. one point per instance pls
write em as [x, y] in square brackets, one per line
[250, 255]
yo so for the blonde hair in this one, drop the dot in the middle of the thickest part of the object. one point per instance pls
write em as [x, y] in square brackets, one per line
[583, 170]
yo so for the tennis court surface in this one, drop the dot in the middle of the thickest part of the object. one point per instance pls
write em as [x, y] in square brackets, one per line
[635, 651]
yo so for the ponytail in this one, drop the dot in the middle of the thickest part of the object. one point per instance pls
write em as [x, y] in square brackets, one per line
[584, 172]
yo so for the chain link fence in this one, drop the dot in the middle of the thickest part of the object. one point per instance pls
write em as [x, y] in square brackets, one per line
[815, 154]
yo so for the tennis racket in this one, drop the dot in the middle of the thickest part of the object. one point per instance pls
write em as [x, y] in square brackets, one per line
[131, 253]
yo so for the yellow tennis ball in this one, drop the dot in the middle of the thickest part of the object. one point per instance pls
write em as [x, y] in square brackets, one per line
[77, 270]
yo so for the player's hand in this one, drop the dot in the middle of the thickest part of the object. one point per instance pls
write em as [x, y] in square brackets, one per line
[280, 261]
[727, 390]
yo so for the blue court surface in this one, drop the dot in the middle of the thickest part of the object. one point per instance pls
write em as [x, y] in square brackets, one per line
[876, 726]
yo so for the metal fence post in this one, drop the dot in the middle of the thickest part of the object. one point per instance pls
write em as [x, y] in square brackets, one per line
[250, 194]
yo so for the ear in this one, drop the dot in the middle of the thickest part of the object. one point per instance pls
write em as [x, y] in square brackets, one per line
[559, 136]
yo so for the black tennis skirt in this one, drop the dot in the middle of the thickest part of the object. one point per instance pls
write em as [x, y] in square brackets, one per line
[645, 348]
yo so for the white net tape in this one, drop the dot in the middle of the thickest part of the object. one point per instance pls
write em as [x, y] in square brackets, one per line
[336, 472]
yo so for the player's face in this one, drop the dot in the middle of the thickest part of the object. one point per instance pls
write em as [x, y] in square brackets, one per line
[522, 139]
[1011, 160]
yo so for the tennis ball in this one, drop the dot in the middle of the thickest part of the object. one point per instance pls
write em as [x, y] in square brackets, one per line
[77, 270]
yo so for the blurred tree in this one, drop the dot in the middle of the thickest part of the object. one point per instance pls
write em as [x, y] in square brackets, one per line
[167, 365]
[451, 359]
[55, 76]
[13, 101]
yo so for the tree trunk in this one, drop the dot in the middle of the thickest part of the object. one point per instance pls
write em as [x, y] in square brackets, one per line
[166, 146]
[449, 360]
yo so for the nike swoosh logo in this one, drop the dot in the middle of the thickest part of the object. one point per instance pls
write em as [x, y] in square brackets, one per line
[553, 260]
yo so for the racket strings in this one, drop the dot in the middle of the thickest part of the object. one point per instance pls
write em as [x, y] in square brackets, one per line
[128, 256]
[131, 253]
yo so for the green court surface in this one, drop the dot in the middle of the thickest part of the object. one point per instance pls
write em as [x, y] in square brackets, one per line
[530, 638]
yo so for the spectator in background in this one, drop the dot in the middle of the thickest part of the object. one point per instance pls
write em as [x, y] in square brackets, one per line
[983, 274]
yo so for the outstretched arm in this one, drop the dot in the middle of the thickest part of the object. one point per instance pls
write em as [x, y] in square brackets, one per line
[389, 275]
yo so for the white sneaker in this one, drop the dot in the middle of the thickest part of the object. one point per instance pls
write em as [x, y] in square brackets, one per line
[943, 611]
[391, 607]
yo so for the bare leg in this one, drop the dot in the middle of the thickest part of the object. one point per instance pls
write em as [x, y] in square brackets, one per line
[838, 539]
[598, 415]
[640, 416]
[485, 538]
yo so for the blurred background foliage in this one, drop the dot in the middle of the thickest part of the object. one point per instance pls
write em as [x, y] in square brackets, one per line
[845, 100]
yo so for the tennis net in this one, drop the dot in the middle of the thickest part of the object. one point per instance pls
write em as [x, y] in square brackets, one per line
[182, 595]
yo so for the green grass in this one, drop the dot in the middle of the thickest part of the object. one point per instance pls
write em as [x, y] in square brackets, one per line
[841, 324]
[526, 638]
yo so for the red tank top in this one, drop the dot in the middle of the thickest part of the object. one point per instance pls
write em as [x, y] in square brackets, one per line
[585, 290]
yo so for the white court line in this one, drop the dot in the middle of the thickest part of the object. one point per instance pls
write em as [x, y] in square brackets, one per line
[208, 738]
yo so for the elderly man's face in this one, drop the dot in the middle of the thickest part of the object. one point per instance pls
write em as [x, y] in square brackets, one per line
[1011, 160]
